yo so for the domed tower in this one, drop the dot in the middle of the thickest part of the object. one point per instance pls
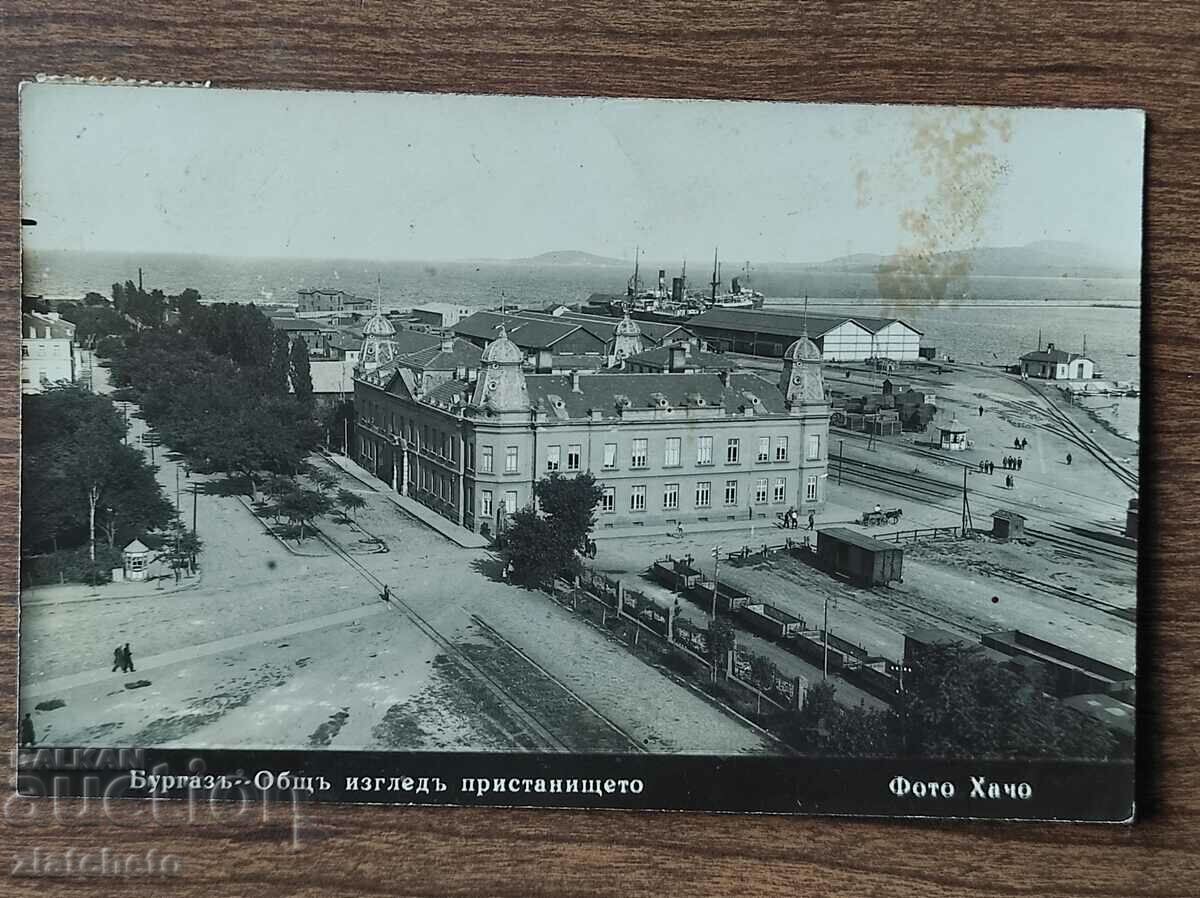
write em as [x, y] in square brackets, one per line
[801, 381]
[628, 339]
[501, 384]
[379, 345]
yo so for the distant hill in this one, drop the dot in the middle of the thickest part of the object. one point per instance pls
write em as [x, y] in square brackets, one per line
[1042, 258]
[569, 257]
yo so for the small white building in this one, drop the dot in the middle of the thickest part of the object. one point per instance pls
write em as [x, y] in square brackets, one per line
[48, 352]
[439, 314]
[1057, 364]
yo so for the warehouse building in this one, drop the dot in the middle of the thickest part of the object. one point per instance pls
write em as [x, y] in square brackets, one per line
[840, 339]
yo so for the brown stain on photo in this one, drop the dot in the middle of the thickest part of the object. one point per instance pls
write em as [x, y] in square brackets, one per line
[953, 150]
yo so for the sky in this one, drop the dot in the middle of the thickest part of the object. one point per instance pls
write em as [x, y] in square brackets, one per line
[443, 177]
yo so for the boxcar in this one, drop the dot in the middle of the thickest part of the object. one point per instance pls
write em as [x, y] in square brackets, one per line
[859, 558]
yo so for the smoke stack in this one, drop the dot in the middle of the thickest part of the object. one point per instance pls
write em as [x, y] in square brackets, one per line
[677, 289]
[662, 280]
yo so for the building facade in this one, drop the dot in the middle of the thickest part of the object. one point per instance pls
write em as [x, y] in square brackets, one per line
[666, 448]
[312, 303]
[48, 352]
[840, 339]
[1057, 364]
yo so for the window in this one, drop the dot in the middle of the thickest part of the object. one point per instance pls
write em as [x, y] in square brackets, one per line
[764, 448]
[780, 448]
[733, 451]
[760, 490]
[553, 457]
[637, 498]
[671, 495]
[608, 500]
[610, 455]
[810, 488]
[485, 459]
[812, 447]
[731, 492]
[25, 354]
[510, 501]
[637, 458]
[671, 455]
[510, 460]
[573, 454]
[780, 492]
[704, 451]
[703, 494]
[470, 457]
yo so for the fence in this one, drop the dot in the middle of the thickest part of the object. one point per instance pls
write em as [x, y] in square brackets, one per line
[912, 536]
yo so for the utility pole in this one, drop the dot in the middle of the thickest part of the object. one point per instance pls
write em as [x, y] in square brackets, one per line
[178, 507]
[716, 552]
[841, 462]
[967, 523]
[195, 493]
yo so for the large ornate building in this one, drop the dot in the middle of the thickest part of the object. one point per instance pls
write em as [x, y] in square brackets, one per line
[666, 448]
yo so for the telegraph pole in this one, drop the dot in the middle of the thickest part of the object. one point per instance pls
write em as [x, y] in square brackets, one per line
[841, 462]
[825, 639]
[716, 570]
[195, 493]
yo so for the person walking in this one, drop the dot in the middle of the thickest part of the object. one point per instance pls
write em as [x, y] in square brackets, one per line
[679, 531]
[118, 659]
[386, 595]
[1024, 443]
[27, 734]
[1019, 462]
[981, 411]
[1068, 459]
[812, 521]
[127, 659]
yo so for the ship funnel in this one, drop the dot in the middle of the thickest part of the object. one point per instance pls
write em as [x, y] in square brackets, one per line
[677, 289]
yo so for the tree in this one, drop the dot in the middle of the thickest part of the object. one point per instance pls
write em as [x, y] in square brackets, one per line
[92, 298]
[538, 549]
[300, 372]
[323, 480]
[350, 502]
[78, 478]
[301, 507]
[721, 640]
[570, 502]
[278, 371]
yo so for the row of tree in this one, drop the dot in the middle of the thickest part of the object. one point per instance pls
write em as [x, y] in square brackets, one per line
[216, 388]
[81, 485]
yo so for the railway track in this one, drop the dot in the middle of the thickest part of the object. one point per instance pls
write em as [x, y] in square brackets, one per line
[1085, 546]
[534, 730]
[1066, 427]
[913, 485]
[1062, 592]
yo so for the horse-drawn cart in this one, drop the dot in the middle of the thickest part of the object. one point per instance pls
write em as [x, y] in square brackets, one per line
[881, 516]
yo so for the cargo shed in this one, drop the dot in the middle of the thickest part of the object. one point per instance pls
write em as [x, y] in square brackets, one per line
[858, 557]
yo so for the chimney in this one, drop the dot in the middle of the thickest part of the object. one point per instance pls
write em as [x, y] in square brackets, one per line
[447, 342]
[543, 362]
[725, 377]
[676, 289]
[677, 363]
[662, 281]
[575, 388]
[1049, 347]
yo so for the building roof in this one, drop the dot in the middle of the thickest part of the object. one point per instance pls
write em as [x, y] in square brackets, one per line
[953, 426]
[527, 333]
[46, 328]
[346, 342]
[609, 393]
[293, 325]
[1005, 514]
[441, 307]
[408, 342]
[461, 354]
[854, 538]
[136, 546]
[603, 326]
[660, 357]
[788, 324]
[1054, 356]
[502, 350]
[379, 326]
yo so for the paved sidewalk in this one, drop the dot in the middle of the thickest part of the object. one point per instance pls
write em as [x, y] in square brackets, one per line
[761, 529]
[71, 593]
[460, 535]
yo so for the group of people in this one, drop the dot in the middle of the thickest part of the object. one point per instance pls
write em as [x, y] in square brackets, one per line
[122, 658]
[791, 520]
[1020, 443]
[1012, 463]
